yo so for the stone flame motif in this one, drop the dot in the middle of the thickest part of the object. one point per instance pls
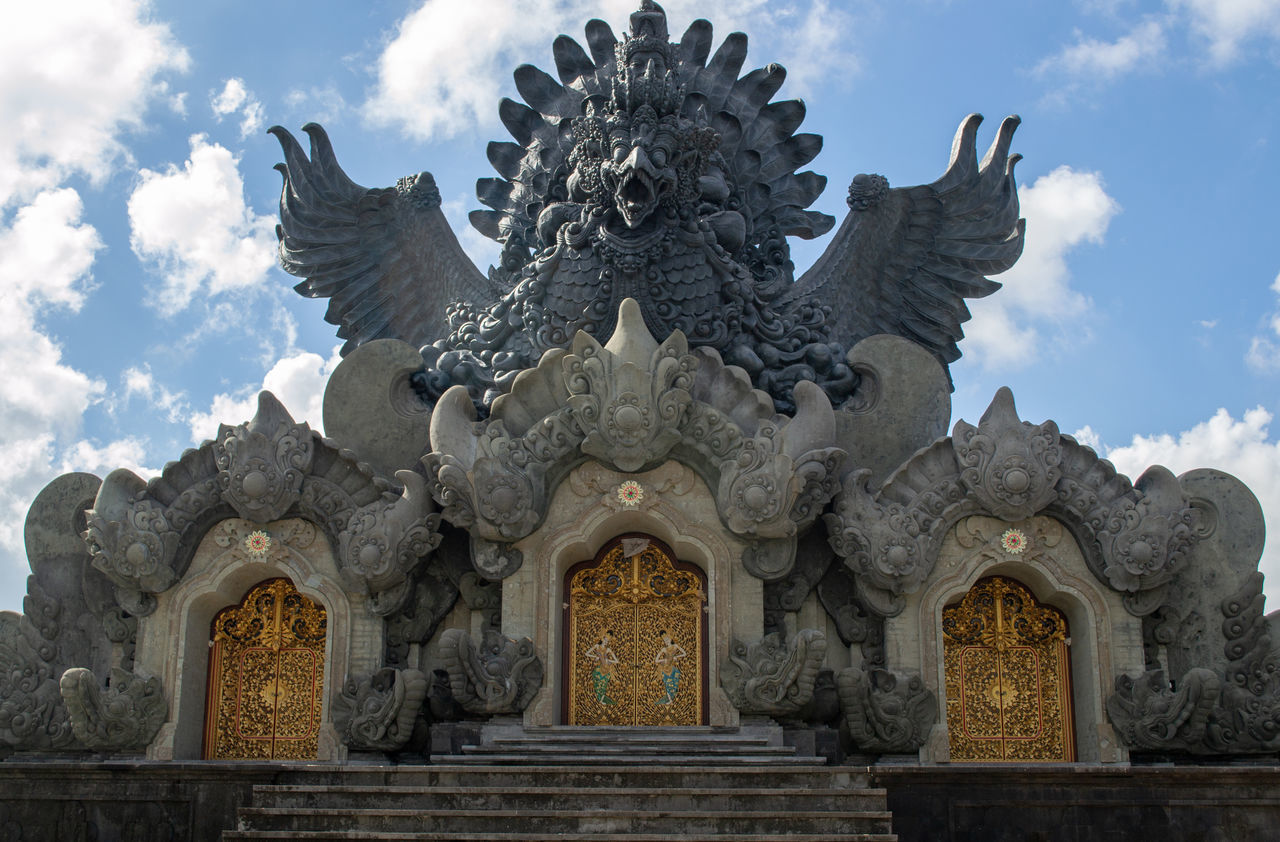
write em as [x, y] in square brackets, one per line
[126, 714]
[1011, 466]
[141, 534]
[771, 475]
[1134, 537]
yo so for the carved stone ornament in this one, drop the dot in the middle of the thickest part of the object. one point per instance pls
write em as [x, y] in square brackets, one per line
[261, 464]
[772, 677]
[142, 534]
[377, 712]
[124, 715]
[1149, 714]
[631, 404]
[1011, 466]
[885, 711]
[1134, 537]
[499, 676]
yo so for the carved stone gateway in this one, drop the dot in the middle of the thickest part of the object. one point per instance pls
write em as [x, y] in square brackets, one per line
[782, 533]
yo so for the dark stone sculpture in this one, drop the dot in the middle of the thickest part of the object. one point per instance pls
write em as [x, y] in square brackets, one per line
[651, 171]
[773, 676]
[886, 711]
[500, 675]
[378, 711]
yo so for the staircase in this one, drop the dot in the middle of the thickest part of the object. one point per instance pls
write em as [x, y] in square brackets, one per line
[582, 784]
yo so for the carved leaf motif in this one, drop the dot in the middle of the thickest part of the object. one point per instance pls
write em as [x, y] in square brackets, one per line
[126, 714]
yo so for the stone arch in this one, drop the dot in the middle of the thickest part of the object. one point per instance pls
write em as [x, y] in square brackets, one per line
[1106, 639]
[585, 514]
[173, 641]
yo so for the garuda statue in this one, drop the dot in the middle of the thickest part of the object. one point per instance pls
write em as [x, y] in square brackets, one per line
[651, 170]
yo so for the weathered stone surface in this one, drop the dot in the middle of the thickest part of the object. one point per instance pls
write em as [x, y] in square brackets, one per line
[1135, 538]
[378, 711]
[142, 534]
[902, 403]
[774, 677]
[772, 475]
[371, 407]
[500, 675]
[886, 711]
[1149, 714]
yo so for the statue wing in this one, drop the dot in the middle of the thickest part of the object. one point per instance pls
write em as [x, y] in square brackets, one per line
[906, 258]
[385, 258]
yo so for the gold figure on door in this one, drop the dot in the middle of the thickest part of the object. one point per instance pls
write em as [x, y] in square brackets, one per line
[1007, 676]
[266, 676]
[635, 639]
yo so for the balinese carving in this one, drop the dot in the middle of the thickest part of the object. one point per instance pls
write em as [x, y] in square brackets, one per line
[1249, 715]
[377, 712]
[500, 676]
[141, 534]
[1150, 715]
[886, 711]
[261, 464]
[649, 172]
[1011, 466]
[772, 677]
[1145, 540]
[771, 475]
[385, 542]
[1133, 537]
[31, 710]
[125, 715]
[631, 416]
[813, 559]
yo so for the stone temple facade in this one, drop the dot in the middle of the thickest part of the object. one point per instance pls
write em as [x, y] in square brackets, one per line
[641, 475]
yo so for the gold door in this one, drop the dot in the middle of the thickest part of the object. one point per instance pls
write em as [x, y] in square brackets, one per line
[635, 651]
[266, 674]
[1007, 676]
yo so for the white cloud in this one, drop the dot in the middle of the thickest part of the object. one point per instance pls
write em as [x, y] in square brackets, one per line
[235, 98]
[1242, 448]
[1226, 25]
[1264, 351]
[192, 226]
[139, 382]
[298, 380]
[1063, 209]
[1094, 60]
[46, 257]
[74, 75]
[446, 66]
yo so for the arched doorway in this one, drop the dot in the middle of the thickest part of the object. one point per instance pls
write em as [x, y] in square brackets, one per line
[635, 644]
[266, 676]
[1007, 672]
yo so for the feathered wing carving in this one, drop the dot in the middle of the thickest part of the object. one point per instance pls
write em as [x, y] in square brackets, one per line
[385, 258]
[905, 258]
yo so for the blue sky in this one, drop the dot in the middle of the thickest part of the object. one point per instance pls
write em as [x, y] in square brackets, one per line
[137, 202]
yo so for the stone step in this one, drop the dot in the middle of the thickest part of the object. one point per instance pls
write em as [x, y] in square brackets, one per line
[806, 775]
[627, 758]
[625, 748]
[266, 835]
[680, 823]
[534, 797]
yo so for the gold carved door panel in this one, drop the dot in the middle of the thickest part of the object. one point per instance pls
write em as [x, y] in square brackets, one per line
[1007, 676]
[266, 676]
[635, 650]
